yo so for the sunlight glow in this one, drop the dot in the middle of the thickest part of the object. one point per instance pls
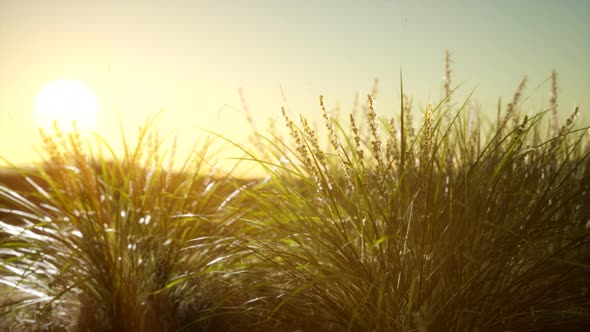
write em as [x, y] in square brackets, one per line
[64, 102]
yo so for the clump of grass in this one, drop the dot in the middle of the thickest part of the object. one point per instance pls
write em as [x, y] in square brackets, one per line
[121, 245]
[469, 233]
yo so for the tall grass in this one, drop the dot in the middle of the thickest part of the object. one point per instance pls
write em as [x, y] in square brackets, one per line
[453, 228]
[121, 245]
[393, 225]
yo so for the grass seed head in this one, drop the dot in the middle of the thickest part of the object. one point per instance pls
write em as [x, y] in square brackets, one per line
[553, 103]
[427, 132]
[511, 108]
[357, 139]
[447, 79]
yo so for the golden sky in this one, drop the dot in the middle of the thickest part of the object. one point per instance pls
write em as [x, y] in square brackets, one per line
[190, 58]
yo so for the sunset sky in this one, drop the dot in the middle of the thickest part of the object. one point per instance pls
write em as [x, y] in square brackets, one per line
[190, 58]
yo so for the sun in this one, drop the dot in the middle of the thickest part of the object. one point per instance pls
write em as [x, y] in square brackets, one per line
[64, 102]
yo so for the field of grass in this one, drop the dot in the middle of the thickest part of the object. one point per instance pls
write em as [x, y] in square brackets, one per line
[432, 220]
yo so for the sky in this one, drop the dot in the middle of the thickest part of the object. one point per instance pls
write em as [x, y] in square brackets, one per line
[189, 59]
